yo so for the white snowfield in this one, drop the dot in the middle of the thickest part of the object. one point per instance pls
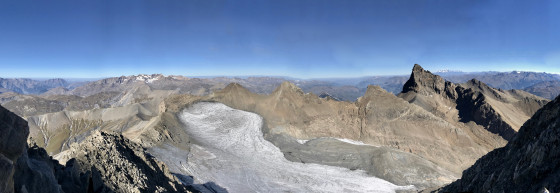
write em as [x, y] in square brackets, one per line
[353, 142]
[232, 153]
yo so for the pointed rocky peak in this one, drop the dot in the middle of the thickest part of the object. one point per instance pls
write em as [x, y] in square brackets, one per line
[421, 79]
[288, 87]
[417, 68]
[474, 83]
[374, 89]
[374, 92]
[234, 87]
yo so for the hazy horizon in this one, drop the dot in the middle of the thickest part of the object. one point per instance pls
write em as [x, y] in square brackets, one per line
[77, 79]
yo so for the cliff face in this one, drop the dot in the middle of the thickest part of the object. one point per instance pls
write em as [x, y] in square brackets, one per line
[13, 141]
[530, 162]
[498, 111]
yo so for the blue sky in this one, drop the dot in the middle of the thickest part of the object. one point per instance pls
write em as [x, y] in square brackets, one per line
[299, 38]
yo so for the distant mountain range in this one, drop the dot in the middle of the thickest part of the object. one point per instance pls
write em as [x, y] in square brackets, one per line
[347, 89]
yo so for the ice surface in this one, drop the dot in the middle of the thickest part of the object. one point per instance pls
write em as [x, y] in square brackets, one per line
[230, 151]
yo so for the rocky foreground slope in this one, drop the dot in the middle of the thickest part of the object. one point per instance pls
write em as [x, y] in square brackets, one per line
[530, 162]
[103, 162]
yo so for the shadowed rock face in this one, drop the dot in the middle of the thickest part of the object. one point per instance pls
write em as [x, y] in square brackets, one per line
[498, 111]
[530, 162]
[13, 138]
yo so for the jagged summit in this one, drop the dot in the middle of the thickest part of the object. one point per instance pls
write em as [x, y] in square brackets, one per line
[375, 90]
[287, 86]
[234, 86]
[528, 163]
[498, 111]
[417, 68]
[421, 78]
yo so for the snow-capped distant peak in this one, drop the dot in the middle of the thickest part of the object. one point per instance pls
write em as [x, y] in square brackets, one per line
[447, 71]
[148, 78]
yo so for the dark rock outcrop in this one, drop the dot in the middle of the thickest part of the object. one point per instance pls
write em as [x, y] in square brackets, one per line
[36, 171]
[13, 141]
[530, 162]
[328, 96]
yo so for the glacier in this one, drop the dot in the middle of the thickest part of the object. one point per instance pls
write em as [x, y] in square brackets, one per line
[229, 150]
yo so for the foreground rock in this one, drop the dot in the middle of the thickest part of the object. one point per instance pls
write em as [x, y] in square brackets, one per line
[103, 162]
[528, 163]
[116, 164]
[13, 137]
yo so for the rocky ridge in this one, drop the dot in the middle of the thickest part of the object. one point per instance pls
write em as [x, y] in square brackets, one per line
[496, 110]
[528, 163]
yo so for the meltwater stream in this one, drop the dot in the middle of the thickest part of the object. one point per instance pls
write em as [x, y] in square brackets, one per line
[230, 151]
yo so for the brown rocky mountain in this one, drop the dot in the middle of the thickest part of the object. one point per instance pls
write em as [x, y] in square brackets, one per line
[498, 111]
[528, 163]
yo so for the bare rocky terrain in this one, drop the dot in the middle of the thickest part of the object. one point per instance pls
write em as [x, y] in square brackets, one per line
[424, 137]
